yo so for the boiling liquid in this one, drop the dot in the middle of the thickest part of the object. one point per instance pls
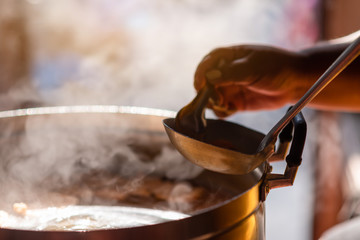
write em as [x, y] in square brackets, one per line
[84, 218]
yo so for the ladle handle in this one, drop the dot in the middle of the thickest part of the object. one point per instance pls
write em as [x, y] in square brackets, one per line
[349, 54]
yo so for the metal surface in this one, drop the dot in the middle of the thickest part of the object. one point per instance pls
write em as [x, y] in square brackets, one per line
[240, 217]
[205, 153]
[191, 134]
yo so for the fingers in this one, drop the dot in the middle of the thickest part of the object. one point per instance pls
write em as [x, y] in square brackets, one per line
[222, 65]
[246, 78]
[236, 72]
[211, 62]
[240, 98]
[218, 68]
[227, 100]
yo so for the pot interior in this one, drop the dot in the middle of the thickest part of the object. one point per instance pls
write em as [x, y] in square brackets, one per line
[74, 167]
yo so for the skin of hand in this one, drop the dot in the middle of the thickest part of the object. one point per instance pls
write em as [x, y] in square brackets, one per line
[252, 77]
[256, 77]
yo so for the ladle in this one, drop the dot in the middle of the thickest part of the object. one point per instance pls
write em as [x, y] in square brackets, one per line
[230, 148]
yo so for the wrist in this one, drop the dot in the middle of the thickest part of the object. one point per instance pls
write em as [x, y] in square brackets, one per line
[300, 78]
[310, 65]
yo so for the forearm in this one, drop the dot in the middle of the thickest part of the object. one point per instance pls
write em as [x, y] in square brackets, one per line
[343, 93]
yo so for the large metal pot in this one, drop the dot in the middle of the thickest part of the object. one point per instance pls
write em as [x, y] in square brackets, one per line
[241, 216]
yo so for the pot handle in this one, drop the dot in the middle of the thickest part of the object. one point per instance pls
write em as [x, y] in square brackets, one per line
[286, 136]
[298, 127]
[294, 157]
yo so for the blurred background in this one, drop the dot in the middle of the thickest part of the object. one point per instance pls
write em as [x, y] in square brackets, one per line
[144, 53]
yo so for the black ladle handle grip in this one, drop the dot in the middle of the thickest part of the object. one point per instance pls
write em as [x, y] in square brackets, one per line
[286, 134]
[294, 158]
[349, 55]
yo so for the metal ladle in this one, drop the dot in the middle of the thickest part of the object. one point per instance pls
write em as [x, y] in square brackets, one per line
[230, 148]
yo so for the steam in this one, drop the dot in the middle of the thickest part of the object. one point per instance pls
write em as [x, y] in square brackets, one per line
[51, 154]
[145, 54]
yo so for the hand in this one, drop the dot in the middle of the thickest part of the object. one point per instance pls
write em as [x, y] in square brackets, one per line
[249, 77]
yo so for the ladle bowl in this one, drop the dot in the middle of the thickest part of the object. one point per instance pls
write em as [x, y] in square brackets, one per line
[240, 155]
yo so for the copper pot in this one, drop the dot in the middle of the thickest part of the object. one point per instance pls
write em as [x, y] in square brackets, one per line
[240, 216]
